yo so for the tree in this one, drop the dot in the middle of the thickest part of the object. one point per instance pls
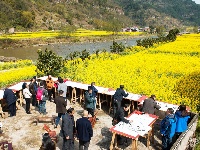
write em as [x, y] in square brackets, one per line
[49, 63]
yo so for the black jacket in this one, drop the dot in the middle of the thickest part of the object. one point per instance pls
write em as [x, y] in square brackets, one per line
[9, 96]
[120, 115]
[84, 129]
[67, 126]
[119, 94]
[60, 104]
[149, 106]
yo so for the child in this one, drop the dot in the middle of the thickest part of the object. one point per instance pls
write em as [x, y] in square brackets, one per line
[167, 129]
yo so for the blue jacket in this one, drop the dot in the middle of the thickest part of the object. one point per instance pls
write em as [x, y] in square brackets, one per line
[84, 129]
[181, 125]
[94, 91]
[9, 96]
[168, 125]
[89, 100]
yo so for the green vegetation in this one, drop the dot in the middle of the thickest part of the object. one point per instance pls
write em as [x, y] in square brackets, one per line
[49, 63]
[110, 15]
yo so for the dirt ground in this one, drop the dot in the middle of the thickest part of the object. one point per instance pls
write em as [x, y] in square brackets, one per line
[26, 135]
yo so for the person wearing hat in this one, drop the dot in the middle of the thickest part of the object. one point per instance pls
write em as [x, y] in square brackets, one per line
[149, 105]
[117, 98]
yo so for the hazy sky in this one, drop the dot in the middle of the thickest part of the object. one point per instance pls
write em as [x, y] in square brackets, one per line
[197, 1]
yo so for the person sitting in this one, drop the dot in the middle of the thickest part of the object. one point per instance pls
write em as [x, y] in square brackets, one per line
[47, 143]
[149, 105]
[167, 129]
[182, 120]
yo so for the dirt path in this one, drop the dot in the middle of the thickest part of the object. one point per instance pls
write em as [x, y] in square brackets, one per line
[25, 135]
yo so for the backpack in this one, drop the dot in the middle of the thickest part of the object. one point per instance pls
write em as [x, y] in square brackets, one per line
[39, 94]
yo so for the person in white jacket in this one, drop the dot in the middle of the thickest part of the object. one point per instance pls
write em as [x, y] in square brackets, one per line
[62, 86]
[27, 96]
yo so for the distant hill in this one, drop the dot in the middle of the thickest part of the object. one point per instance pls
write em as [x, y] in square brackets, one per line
[169, 13]
[96, 14]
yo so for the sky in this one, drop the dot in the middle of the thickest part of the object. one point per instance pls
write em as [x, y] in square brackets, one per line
[197, 1]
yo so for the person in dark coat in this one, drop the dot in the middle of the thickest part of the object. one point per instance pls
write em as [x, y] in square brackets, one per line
[11, 99]
[71, 112]
[149, 105]
[120, 116]
[84, 131]
[33, 91]
[60, 107]
[89, 102]
[117, 98]
[94, 92]
[67, 130]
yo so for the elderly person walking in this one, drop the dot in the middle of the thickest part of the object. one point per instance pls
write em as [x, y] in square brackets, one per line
[11, 99]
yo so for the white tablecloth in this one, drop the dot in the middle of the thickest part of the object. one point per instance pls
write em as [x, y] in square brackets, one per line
[18, 86]
[1, 94]
[139, 127]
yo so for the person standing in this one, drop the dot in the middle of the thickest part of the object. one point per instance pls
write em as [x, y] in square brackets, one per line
[117, 98]
[167, 129]
[27, 96]
[35, 85]
[11, 99]
[149, 105]
[89, 102]
[182, 120]
[33, 91]
[94, 92]
[67, 131]
[42, 96]
[71, 112]
[62, 86]
[84, 131]
[60, 107]
[50, 85]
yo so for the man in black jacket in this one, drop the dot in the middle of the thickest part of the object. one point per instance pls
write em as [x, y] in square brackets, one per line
[120, 116]
[67, 130]
[11, 99]
[60, 107]
[149, 105]
[117, 98]
[84, 131]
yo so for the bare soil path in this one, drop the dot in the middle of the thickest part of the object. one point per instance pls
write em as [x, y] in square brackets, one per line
[26, 135]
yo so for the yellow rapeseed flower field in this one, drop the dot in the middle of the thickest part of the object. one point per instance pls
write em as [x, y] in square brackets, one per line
[53, 34]
[16, 75]
[170, 71]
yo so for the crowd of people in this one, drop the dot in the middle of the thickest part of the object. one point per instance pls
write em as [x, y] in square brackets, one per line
[37, 94]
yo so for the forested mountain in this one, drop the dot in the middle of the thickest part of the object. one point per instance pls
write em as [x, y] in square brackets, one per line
[163, 12]
[96, 14]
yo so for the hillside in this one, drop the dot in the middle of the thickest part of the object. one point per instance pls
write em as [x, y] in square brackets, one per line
[99, 14]
[56, 14]
[168, 13]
